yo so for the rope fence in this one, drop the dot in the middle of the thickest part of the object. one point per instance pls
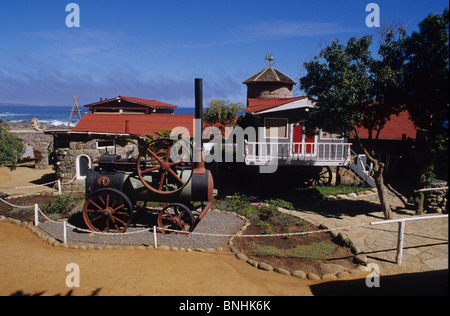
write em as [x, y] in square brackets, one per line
[60, 184]
[154, 229]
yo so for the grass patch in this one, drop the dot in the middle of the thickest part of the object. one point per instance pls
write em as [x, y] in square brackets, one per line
[330, 190]
[316, 250]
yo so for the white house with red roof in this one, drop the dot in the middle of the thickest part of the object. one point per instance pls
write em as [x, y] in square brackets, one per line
[272, 107]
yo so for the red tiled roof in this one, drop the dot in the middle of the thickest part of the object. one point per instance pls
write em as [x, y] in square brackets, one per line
[395, 128]
[260, 104]
[145, 102]
[134, 124]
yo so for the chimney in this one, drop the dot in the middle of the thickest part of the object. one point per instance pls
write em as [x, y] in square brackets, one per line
[198, 144]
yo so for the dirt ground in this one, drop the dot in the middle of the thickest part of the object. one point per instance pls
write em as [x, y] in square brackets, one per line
[29, 266]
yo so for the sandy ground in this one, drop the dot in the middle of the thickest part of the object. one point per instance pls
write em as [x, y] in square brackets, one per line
[13, 182]
[28, 266]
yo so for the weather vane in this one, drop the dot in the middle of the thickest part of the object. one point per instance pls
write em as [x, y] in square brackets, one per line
[270, 59]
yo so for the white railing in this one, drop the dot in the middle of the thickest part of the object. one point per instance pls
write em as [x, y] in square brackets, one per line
[316, 153]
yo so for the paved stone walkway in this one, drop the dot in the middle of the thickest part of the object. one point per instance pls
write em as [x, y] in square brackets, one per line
[425, 241]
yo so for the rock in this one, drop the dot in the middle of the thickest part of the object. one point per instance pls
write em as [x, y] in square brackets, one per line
[341, 196]
[264, 266]
[282, 271]
[299, 274]
[234, 250]
[352, 195]
[331, 198]
[164, 247]
[253, 262]
[329, 277]
[241, 256]
[2, 218]
[360, 259]
[343, 275]
[313, 276]
[331, 268]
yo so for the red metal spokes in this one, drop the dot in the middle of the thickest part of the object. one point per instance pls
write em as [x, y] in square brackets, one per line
[166, 172]
[108, 209]
[177, 217]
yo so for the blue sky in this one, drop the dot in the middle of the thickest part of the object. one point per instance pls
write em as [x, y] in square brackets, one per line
[154, 49]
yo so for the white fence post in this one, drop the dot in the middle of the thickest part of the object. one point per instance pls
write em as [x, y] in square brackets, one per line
[155, 241]
[65, 232]
[401, 232]
[59, 186]
[36, 215]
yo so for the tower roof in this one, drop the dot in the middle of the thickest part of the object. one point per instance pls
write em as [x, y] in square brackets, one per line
[270, 74]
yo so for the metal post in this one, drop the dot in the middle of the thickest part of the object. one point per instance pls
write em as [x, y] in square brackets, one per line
[401, 231]
[36, 215]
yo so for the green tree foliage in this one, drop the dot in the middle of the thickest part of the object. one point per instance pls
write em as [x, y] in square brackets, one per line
[426, 83]
[352, 90]
[221, 113]
[426, 91]
[11, 147]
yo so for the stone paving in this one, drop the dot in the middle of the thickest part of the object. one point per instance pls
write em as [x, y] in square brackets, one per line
[425, 241]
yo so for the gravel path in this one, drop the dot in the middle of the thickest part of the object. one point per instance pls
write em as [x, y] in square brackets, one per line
[215, 222]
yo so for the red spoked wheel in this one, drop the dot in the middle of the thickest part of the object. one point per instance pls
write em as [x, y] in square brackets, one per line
[167, 161]
[176, 217]
[108, 209]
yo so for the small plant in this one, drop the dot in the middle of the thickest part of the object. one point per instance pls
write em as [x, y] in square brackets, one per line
[263, 224]
[268, 232]
[237, 202]
[281, 203]
[300, 222]
[282, 219]
[62, 204]
[267, 209]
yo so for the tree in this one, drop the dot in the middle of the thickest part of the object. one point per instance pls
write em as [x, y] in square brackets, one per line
[353, 90]
[222, 114]
[426, 89]
[11, 147]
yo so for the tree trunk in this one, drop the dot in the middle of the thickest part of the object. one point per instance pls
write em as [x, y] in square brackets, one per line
[381, 189]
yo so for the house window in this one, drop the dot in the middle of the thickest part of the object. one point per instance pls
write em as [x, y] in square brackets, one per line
[83, 164]
[280, 125]
[102, 144]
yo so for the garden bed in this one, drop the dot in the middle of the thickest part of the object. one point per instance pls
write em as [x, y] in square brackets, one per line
[299, 247]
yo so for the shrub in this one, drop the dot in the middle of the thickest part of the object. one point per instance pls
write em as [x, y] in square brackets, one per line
[62, 204]
[237, 202]
[281, 203]
[282, 219]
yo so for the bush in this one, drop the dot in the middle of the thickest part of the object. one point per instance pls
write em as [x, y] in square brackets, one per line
[237, 202]
[62, 204]
[282, 219]
[281, 203]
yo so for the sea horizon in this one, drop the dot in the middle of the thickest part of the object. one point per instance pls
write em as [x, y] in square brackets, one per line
[52, 114]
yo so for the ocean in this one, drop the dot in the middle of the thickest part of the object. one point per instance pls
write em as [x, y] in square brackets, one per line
[51, 115]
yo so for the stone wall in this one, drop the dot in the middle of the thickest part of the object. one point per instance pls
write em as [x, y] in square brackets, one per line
[269, 90]
[69, 147]
[37, 140]
[436, 201]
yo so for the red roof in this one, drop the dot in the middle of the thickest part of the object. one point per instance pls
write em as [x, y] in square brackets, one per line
[145, 102]
[261, 104]
[395, 128]
[134, 124]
